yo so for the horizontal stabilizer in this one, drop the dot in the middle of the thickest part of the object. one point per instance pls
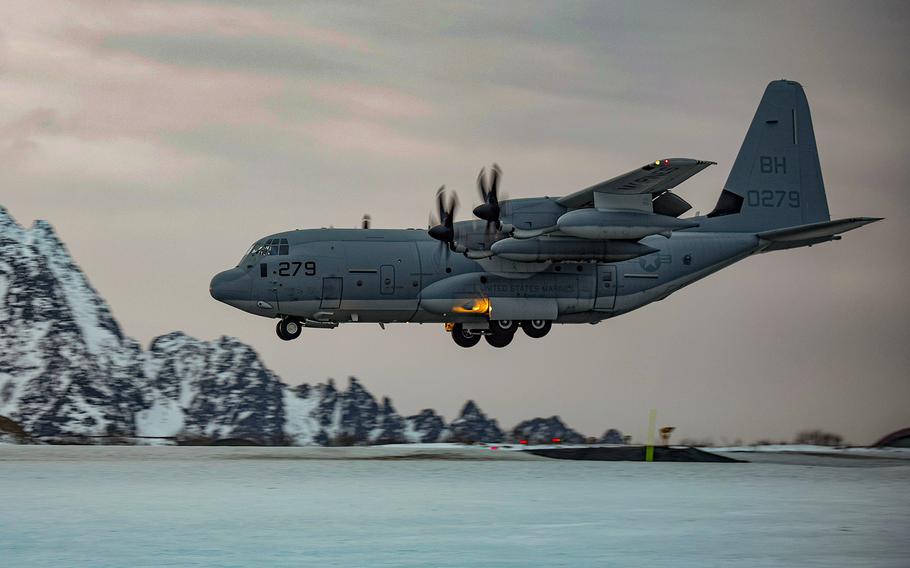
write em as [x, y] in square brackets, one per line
[812, 233]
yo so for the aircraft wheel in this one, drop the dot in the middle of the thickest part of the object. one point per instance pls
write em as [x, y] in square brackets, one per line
[288, 329]
[536, 328]
[503, 326]
[463, 337]
[497, 339]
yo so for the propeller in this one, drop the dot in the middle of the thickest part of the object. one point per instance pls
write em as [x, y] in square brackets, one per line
[489, 192]
[442, 227]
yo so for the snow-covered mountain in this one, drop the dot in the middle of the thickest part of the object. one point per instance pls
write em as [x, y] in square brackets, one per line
[65, 366]
[67, 370]
[545, 430]
[473, 425]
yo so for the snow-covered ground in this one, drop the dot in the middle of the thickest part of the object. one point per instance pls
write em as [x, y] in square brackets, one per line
[182, 506]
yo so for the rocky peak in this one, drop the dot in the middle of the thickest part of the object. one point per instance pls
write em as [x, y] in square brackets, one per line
[426, 427]
[545, 431]
[211, 390]
[65, 368]
[472, 425]
[612, 436]
[390, 427]
[9, 228]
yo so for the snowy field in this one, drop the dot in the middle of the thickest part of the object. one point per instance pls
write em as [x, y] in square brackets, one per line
[181, 506]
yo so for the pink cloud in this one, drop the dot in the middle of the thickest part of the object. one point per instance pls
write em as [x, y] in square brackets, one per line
[370, 100]
[372, 139]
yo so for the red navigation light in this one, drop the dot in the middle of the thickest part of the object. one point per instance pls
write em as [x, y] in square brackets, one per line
[494, 447]
[557, 440]
[523, 442]
[666, 162]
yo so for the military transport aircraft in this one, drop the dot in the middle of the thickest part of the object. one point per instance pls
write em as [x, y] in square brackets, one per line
[529, 263]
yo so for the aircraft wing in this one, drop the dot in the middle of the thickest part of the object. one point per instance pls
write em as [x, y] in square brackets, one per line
[654, 178]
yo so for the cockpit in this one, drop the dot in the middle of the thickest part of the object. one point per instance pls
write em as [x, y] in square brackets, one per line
[269, 247]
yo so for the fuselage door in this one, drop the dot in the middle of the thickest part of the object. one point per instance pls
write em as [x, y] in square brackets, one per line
[387, 279]
[331, 293]
[606, 287]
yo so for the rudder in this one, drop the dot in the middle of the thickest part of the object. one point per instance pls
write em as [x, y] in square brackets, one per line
[776, 180]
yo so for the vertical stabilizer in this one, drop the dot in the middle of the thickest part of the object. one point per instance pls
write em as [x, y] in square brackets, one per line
[776, 180]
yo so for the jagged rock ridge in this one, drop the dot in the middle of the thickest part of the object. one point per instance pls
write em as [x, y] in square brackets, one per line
[67, 370]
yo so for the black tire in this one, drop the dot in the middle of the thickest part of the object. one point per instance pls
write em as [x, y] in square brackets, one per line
[503, 326]
[288, 329]
[499, 340]
[536, 328]
[462, 337]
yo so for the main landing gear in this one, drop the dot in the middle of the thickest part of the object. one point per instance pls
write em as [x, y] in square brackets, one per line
[500, 333]
[464, 337]
[288, 329]
[536, 328]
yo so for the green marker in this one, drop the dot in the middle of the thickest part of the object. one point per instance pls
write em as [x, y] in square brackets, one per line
[649, 449]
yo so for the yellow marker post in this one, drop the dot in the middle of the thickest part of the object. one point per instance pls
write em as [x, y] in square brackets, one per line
[649, 449]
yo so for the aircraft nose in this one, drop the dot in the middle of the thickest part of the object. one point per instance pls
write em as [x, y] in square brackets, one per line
[230, 285]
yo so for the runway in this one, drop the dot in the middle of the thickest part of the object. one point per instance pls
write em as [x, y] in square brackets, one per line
[202, 506]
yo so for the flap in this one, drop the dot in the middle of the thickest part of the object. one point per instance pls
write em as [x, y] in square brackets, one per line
[654, 178]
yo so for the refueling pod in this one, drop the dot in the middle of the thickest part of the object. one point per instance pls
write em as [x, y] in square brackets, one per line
[629, 225]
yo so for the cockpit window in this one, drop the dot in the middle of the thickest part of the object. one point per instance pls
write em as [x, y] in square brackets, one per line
[271, 247]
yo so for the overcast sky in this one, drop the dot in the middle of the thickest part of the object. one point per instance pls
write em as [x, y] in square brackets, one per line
[161, 139]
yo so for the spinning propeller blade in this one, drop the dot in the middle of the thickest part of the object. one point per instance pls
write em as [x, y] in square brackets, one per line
[443, 226]
[489, 210]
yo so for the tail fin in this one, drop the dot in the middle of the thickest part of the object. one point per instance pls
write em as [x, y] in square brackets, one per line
[776, 181]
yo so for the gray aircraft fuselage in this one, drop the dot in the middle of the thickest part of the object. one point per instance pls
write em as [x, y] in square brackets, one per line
[581, 258]
[390, 275]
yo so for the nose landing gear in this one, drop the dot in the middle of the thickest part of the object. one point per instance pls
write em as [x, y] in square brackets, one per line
[288, 329]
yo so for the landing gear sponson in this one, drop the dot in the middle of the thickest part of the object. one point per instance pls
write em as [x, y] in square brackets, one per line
[499, 334]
